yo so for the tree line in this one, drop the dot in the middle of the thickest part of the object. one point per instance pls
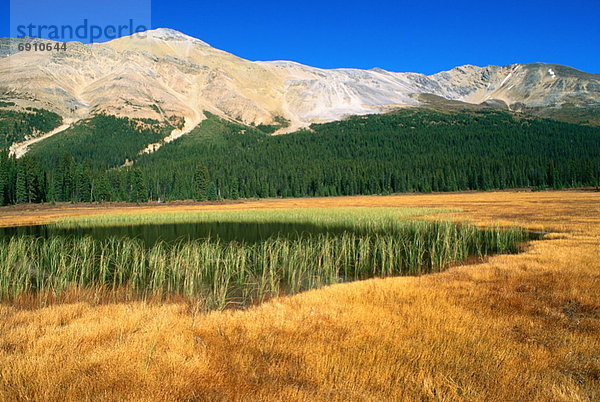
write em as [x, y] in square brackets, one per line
[25, 180]
[408, 151]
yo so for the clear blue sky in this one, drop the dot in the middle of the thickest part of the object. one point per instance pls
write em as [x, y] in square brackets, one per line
[397, 35]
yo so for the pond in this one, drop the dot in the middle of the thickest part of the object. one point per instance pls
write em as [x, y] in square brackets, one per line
[151, 234]
[250, 262]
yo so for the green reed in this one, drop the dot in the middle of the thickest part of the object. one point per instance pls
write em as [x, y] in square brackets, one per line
[366, 218]
[221, 273]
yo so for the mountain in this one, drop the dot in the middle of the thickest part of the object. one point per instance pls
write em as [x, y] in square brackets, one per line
[168, 76]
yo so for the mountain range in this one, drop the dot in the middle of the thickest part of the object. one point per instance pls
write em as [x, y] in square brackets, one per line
[168, 76]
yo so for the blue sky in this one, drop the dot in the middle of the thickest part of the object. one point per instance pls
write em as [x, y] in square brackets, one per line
[419, 36]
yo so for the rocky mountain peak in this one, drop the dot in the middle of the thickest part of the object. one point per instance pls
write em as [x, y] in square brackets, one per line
[167, 75]
[168, 34]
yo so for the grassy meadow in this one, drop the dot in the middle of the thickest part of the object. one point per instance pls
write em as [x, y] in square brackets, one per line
[518, 326]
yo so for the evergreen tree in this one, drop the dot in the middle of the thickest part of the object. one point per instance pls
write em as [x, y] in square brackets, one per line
[3, 177]
[66, 178]
[212, 193]
[201, 181]
[138, 187]
[101, 187]
[21, 185]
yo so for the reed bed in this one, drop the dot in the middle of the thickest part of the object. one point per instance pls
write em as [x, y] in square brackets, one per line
[356, 217]
[219, 274]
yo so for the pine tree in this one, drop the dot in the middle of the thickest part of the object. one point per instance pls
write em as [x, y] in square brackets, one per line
[101, 188]
[3, 178]
[138, 188]
[212, 193]
[201, 182]
[67, 179]
[21, 184]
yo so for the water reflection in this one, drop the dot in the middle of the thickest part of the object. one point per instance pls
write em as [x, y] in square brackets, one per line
[152, 234]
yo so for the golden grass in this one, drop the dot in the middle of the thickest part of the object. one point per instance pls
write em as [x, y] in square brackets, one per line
[516, 327]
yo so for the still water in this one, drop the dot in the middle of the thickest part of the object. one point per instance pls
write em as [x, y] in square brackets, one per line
[152, 234]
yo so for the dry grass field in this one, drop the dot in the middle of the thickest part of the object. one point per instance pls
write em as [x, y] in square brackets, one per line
[514, 327]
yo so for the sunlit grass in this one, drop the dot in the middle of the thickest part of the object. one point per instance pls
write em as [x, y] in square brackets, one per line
[351, 217]
[515, 327]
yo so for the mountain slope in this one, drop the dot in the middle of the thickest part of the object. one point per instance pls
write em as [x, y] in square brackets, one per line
[415, 149]
[166, 73]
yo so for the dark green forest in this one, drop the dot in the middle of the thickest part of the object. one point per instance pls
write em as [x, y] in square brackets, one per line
[14, 125]
[101, 142]
[416, 150]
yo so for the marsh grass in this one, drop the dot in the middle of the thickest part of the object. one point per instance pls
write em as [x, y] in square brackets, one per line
[356, 217]
[217, 274]
[516, 327]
